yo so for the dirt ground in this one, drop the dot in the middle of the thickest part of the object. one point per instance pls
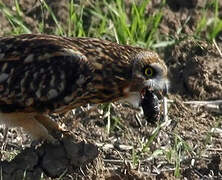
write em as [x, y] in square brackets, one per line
[196, 74]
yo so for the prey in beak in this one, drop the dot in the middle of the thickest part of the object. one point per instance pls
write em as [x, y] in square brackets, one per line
[150, 103]
[149, 85]
[149, 99]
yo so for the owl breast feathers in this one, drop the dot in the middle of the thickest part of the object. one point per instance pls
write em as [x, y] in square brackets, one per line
[42, 74]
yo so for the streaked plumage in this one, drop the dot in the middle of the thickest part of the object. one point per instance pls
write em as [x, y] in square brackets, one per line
[43, 74]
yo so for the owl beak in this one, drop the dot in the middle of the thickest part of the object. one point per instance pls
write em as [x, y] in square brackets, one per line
[135, 97]
[165, 89]
[160, 88]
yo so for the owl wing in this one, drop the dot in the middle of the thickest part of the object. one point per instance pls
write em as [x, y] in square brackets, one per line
[40, 72]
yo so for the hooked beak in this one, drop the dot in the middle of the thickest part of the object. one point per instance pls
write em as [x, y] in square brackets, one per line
[165, 89]
[135, 97]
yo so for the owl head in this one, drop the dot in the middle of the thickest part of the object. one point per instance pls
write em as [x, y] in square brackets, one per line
[149, 72]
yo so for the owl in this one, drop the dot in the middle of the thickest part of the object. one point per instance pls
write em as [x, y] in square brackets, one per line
[44, 74]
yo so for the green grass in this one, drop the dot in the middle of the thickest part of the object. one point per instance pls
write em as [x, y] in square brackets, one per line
[113, 122]
[114, 21]
[106, 19]
[15, 19]
[212, 26]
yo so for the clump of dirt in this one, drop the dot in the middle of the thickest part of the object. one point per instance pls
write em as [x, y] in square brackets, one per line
[195, 68]
[177, 4]
[49, 160]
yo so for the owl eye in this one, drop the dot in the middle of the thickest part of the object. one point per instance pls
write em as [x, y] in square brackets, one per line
[149, 72]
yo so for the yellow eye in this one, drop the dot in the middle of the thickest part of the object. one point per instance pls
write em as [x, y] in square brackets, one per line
[148, 72]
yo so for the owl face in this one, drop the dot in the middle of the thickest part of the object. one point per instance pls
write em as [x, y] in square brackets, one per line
[149, 72]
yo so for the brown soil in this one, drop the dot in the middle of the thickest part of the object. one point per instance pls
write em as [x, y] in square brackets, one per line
[195, 67]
